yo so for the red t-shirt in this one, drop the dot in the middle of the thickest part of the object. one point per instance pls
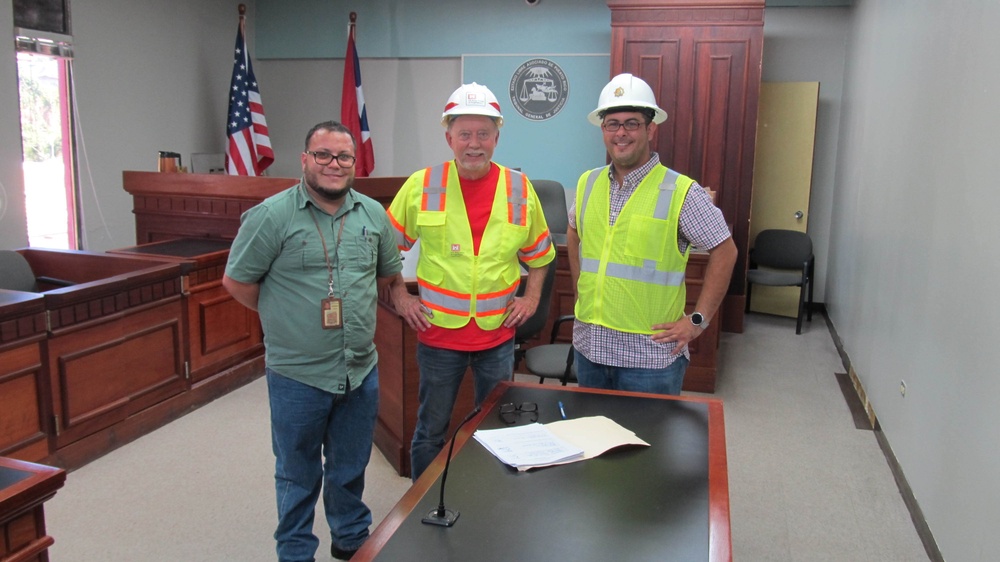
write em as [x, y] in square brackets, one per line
[478, 196]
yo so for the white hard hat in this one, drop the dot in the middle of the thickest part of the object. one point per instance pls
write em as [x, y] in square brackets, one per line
[472, 99]
[626, 90]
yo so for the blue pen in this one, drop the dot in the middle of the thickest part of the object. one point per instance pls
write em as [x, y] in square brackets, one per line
[562, 410]
[364, 231]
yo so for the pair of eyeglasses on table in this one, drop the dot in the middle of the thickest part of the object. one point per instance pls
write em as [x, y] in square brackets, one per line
[510, 413]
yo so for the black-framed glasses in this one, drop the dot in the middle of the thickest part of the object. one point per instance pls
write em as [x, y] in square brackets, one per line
[324, 158]
[510, 412]
[630, 125]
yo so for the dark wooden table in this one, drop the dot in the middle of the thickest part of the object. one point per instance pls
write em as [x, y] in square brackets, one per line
[24, 487]
[669, 501]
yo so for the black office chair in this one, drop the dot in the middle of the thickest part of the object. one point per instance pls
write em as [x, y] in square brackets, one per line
[788, 261]
[533, 325]
[552, 196]
[16, 273]
[552, 360]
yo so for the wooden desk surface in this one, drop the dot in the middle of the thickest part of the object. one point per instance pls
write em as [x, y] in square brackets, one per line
[669, 501]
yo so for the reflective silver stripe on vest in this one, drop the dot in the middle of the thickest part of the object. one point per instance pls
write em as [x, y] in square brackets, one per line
[667, 187]
[435, 188]
[492, 304]
[591, 178]
[401, 241]
[518, 199]
[634, 273]
[539, 250]
[648, 272]
[457, 305]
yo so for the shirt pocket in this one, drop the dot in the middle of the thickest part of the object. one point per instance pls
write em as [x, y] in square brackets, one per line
[359, 253]
[309, 254]
[647, 238]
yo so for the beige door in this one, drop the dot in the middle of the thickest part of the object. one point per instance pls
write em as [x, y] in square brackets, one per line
[782, 175]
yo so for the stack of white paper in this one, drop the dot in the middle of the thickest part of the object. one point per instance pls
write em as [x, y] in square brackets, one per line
[527, 445]
[536, 445]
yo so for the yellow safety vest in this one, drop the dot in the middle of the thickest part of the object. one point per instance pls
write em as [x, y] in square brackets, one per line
[454, 282]
[631, 274]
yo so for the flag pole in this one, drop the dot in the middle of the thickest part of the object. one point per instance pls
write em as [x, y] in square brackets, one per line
[243, 19]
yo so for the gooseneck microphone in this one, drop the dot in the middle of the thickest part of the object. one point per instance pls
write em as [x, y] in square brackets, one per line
[441, 516]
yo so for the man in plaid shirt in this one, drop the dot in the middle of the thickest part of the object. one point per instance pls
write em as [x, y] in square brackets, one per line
[631, 227]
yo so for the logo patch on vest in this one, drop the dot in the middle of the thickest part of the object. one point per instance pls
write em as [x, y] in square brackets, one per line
[456, 248]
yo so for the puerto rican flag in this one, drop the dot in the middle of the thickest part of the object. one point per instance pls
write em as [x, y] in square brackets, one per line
[352, 110]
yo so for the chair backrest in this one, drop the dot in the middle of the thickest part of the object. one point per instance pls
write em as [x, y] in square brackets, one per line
[536, 323]
[782, 249]
[16, 273]
[553, 198]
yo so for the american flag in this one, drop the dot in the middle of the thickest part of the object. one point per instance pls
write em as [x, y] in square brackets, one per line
[352, 109]
[249, 152]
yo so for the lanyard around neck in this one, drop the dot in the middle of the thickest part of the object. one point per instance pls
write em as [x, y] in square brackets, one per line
[326, 254]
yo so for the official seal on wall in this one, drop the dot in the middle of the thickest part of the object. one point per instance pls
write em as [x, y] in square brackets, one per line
[538, 89]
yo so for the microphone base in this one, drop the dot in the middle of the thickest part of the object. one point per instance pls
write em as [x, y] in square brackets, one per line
[446, 520]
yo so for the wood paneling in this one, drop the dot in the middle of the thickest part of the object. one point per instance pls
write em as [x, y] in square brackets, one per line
[23, 408]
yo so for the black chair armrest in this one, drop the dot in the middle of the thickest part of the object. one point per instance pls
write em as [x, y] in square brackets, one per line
[558, 324]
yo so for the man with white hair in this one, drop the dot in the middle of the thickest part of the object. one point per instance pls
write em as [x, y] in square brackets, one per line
[476, 220]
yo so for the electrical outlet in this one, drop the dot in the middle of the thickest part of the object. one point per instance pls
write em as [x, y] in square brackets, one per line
[902, 388]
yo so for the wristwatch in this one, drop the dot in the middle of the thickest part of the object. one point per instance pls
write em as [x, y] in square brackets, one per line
[698, 319]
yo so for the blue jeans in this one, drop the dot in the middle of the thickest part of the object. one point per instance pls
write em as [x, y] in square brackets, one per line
[308, 424]
[441, 373]
[657, 381]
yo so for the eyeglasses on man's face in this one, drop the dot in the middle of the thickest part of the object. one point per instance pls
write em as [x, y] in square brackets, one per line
[324, 158]
[630, 125]
[510, 412]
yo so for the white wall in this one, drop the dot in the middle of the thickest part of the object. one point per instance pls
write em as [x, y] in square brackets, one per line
[914, 255]
[149, 76]
[404, 99]
[13, 225]
[809, 45]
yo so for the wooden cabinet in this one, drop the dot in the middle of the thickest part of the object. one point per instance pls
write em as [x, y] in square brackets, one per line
[114, 345]
[221, 331]
[24, 403]
[703, 62]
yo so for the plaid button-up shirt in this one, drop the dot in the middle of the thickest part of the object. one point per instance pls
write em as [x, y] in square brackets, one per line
[701, 226]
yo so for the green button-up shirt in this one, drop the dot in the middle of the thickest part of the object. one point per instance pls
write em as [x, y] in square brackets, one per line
[279, 247]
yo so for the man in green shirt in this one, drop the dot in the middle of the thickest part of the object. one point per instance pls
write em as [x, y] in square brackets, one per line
[307, 260]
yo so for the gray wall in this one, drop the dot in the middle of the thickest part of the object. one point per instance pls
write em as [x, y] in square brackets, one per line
[913, 255]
